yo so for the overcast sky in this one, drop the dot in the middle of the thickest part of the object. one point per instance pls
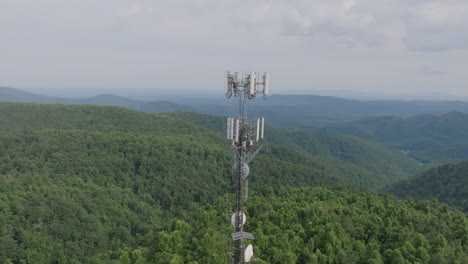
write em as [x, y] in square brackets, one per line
[371, 46]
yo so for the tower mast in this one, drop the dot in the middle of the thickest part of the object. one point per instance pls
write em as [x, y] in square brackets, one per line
[243, 137]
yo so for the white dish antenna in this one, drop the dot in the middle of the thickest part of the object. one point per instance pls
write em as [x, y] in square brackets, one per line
[233, 218]
[248, 253]
[245, 170]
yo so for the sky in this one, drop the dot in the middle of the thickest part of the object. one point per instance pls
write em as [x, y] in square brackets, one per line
[389, 47]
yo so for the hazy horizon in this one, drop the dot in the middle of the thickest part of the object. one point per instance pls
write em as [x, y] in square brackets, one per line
[168, 94]
[395, 48]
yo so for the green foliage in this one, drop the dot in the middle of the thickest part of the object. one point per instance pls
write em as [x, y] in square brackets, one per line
[317, 225]
[371, 163]
[351, 159]
[447, 183]
[88, 184]
[21, 116]
[73, 193]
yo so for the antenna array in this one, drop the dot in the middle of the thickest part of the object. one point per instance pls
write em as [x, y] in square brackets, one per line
[243, 137]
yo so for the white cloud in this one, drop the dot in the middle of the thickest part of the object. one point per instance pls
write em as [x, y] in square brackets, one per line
[414, 24]
[135, 9]
[417, 25]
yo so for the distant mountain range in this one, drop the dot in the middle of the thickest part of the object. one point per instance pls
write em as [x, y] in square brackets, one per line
[428, 138]
[431, 132]
[311, 111]
[16, 95]
[286, 111]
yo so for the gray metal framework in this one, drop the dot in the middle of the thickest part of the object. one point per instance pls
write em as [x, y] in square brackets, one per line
[243, 137]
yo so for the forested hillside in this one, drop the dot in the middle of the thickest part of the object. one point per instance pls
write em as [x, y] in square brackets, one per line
[76, 181]
[428, 138]
[362, 161]
[447, 183]
[314, 225]
[93, 184]
[355, 160]
[22, 116]
[68, 194]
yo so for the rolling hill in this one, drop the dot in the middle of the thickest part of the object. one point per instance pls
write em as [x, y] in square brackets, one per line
[78, 181]
[363, 162]
[447, 183]
[104, 184]
[8, 94]
[283, 111]
[428, 138]
[352, 159]
[16, 95]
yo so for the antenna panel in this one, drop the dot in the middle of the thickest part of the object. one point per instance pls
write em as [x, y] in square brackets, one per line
[266, 83]
[246, 186]
[252, 83]
[248, 253]
[263, 127]
[258, 129]
[232, 128]
[226, 82]
[237, 130]
[228, 130]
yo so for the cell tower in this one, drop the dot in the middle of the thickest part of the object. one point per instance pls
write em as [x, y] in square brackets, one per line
[243, 137]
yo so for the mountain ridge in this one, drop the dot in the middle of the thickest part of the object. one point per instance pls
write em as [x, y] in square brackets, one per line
[428, 138]
[286, 111]
[448, 183]
[16, 95]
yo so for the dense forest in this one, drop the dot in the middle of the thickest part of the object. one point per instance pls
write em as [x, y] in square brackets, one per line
[23, 116]
[317, 225]
[447, 183]
[93, 184]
